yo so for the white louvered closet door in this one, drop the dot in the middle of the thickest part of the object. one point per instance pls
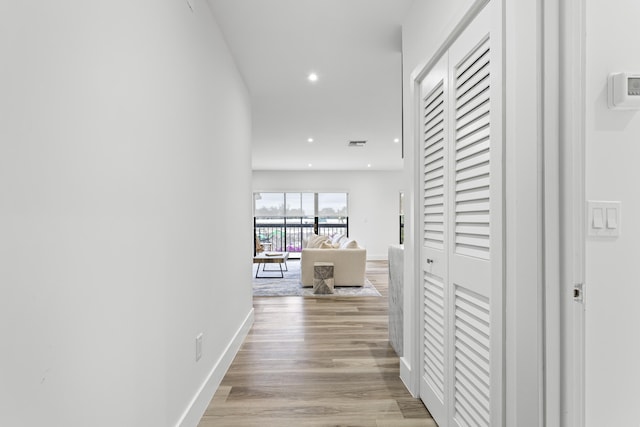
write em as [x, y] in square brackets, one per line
[463, 289]
[433, 180]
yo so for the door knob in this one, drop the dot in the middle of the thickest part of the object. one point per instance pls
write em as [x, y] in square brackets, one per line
[429, 261]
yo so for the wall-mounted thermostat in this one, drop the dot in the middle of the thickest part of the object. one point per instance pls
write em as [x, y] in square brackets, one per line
[624, 91]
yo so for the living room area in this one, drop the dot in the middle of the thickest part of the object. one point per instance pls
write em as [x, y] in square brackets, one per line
[368, 204]
[373, 200]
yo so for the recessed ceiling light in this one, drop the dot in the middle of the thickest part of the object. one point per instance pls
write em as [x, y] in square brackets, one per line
[310, 140]
[396, 140]
[369, 165]
[313, 77]
[309, 165]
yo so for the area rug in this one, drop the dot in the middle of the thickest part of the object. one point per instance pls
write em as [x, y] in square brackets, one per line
[290, 285]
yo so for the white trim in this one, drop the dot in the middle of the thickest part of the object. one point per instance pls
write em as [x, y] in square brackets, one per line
[573, 200]
[525, 135]
[550, 328]
[406, 376]
[416, 355]
[198, 405]
[423, 69]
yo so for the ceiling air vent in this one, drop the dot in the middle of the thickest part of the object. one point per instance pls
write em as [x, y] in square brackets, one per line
[357, 143]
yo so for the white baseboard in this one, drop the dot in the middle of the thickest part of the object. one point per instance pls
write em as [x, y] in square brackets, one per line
[192, 415]
[407, 378]
[377, 257]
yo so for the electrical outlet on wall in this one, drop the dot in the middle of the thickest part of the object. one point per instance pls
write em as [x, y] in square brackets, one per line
[198, 346]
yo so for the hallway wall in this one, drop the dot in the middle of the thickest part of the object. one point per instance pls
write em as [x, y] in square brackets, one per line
[374, 200]
[124, 159]
[612, 278]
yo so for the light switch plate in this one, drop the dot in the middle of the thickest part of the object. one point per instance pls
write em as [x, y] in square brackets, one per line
[603, 218]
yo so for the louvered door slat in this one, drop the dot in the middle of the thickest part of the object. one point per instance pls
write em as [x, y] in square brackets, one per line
[475, 172]
[482, 181]
[433, 115]
[473, 116]
[472, 72]
[437, 183]
[432, 170]
[471, 101]
[433, 111]
[433, 163]
[435, 226]
[473, 387]
[472, 218]
[471, 129]
[435, 336]
[472, 360]
[434, 333]
[480, 134]
[480, 193]
[473, 150]
[473, 61]
[432, 175]
[474, 87]
[472, 229]
[433, 149]
[433, 153]
[471, 412]
[434, 134]
[476, 148]
[472, 241]
[473, 161]
[479, 206]
[435, 211]
[477, 370]
[432, 194]
[433, 102]
[433, 206]
[432, 371]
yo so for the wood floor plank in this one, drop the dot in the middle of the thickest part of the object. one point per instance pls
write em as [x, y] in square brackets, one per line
[312, 362]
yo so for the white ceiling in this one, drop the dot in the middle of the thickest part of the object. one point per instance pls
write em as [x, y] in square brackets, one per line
[355, 48]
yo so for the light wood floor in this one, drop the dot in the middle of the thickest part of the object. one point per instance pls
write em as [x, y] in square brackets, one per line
[317, 362]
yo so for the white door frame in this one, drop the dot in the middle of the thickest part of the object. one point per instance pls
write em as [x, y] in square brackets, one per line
[573, 208]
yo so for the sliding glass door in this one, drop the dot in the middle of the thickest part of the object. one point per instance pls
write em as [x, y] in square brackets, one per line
[282, 221]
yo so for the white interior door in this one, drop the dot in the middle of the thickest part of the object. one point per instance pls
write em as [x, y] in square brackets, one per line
[462, 248]
[434, 185]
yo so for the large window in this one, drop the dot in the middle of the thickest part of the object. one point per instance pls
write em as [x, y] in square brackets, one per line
[283, 220]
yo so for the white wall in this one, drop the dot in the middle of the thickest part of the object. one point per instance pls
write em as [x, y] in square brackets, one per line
[612, 278]
[374, 200]
[124, 157]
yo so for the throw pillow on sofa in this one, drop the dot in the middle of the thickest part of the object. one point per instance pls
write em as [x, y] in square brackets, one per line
[316, 241]
[349, 244]
[336, 239]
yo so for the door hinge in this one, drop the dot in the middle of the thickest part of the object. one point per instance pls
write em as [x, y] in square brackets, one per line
[578, 292]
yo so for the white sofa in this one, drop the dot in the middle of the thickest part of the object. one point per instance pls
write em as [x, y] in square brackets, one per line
[348, 264]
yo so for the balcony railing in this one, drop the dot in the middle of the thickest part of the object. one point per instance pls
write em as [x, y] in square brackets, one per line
[287, 233]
